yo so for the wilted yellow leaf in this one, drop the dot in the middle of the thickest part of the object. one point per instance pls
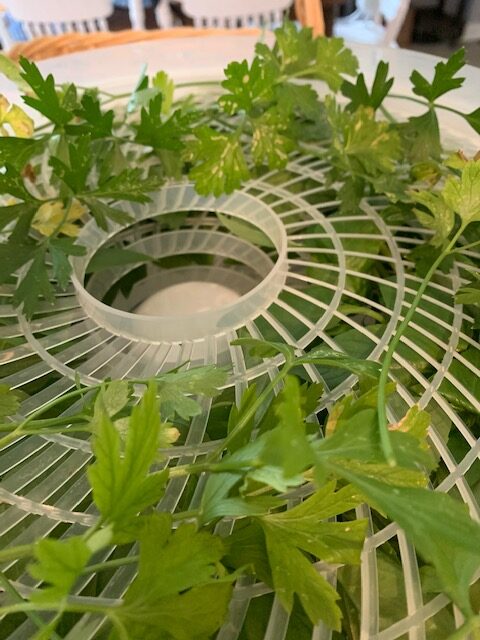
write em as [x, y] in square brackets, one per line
[52, 217]
[12, 115]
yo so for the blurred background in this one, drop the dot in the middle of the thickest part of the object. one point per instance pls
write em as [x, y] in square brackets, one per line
[432, 26]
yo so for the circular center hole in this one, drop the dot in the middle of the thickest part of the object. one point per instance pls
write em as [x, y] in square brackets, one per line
[183, 272]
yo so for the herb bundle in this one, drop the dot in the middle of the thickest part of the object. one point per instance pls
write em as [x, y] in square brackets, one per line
[278, 493]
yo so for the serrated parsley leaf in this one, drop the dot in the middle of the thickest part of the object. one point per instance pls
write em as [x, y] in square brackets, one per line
[270, 145]
[120, 476]
[9, 401]
[463, 194]
[59, 563]
[97, 124]
[294, 49]
[333, 61]
[47, 100]
[219, 162]
[370, 146]
[359, 94]
[444, 79]
[247, 86]
[129, 184]
[439, 527]
[166, 86]
[168, 134]
[173, 387]
[60, 249]
[439, 215]
[176, 592]
[286, 446]
[289, 534]
[35, 284]
[103, 212]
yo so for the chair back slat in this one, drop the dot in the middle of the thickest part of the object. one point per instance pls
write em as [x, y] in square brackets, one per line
[231, 12]
[34, 11]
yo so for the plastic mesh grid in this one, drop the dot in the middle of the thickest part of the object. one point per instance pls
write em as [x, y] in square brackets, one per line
[336, 266]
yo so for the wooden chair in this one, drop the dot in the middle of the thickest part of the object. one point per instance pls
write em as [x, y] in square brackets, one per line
[53, 46]
[309, 13]
[53, 17]
[247, 13]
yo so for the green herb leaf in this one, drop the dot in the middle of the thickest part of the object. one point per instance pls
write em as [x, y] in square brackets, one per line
[98, 124]
[269, 144]
[463, 194]
[302, 529]
[439, 527]
[172, 388]
[444, 79]
[103, 213]
[130, 184]
[121, 483]
[245, 230]
[333, 61]
[287, 446]
[440, 217]
[9, 400]
[175, 592]
[115, 257]
[247, 86]
[359, 94]
[59, 564]
[220, 165]
[34, 285]
[166, 86]
[47, 100]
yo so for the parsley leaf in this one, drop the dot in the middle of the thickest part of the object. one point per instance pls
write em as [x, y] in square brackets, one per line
[34, 285]
[333, 61]
[440, 217]
[152, 131]
[176, 592]
[97, 123]
[302, 529]
[463, 194]
[47, 100]
[120, 479]
[59, 563]
[444, 79]
[286, 446]
[269, 144]
[359, 94]
[247, 86]
[219, 162]
[9, 401]
[173, 386]
[435, 523]
[129, 184]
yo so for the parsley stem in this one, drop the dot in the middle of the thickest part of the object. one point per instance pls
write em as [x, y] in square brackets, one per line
[387, 360]
[110, 564]
[25, 607]
[14, 553]
[426, 104]
[10, 589]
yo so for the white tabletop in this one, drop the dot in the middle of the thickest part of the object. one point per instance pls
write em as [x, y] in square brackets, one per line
[204, 58]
